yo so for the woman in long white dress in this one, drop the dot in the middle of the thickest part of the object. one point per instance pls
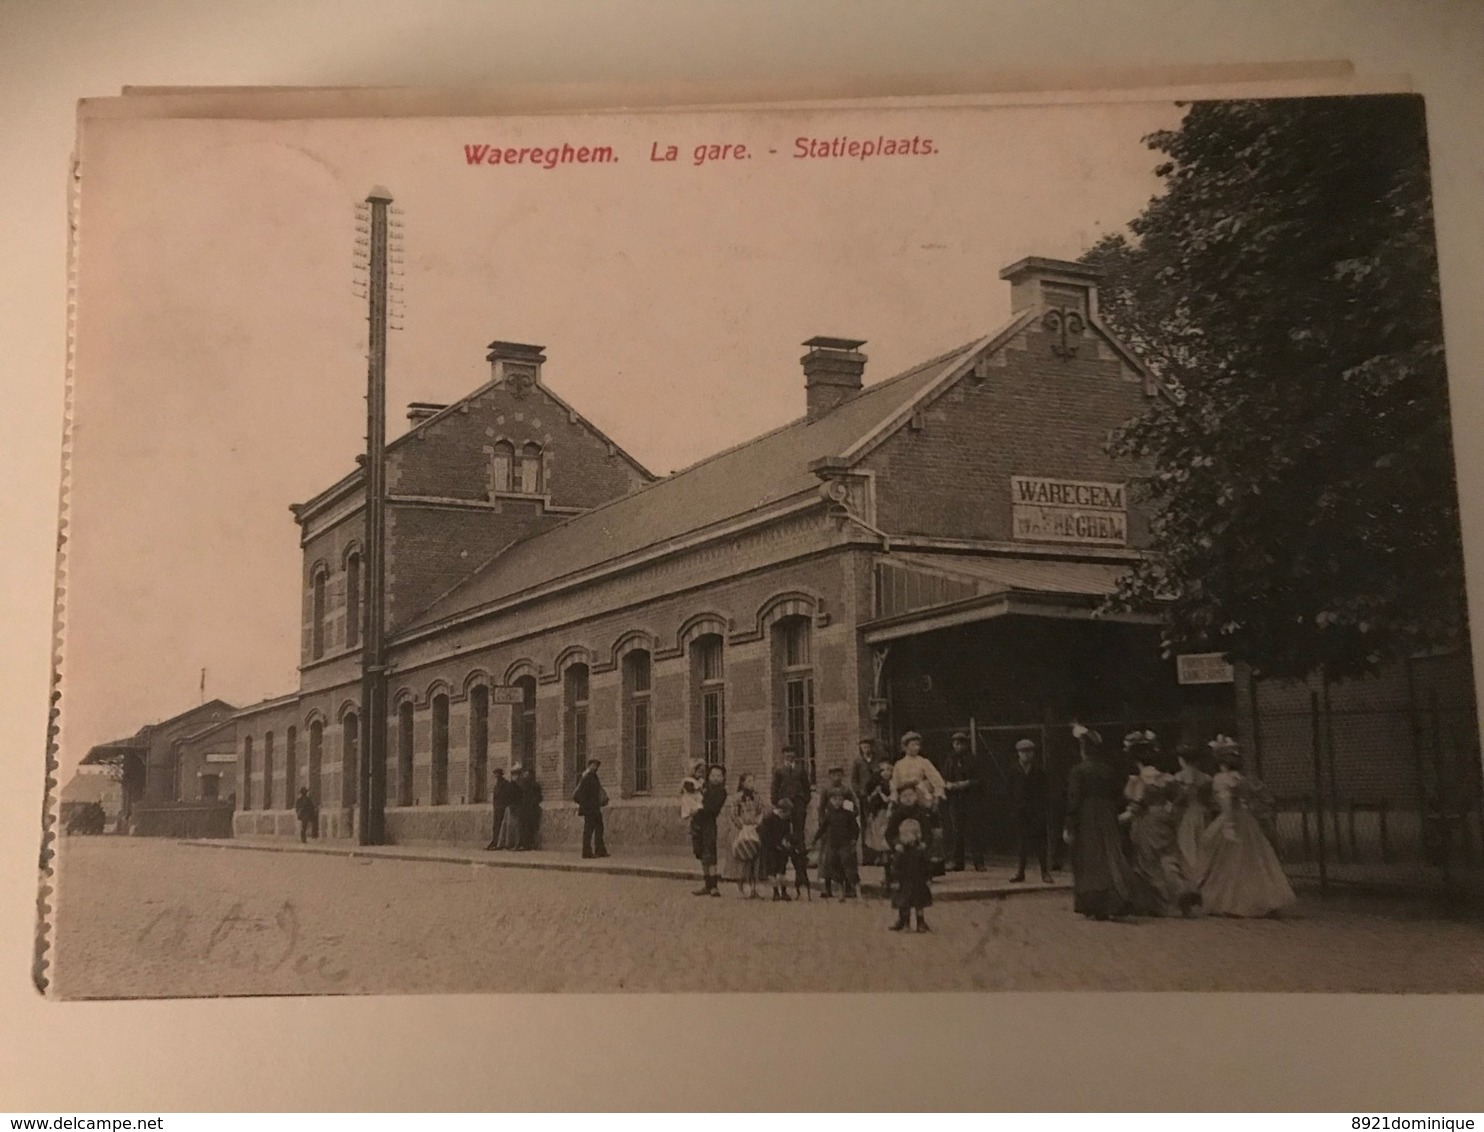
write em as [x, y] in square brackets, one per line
[1193, 804]
[1243, 874]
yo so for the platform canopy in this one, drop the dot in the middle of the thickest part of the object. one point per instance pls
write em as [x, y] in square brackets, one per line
[114, 754]
[919, 593]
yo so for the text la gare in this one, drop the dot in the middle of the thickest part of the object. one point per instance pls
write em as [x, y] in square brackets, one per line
[701, 154]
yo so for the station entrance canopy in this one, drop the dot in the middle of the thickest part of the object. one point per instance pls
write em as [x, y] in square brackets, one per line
[921, 593]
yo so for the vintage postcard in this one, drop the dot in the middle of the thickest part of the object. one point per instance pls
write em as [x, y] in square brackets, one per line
[918, 546]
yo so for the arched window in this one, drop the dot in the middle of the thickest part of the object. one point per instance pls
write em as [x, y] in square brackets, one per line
[350, 762]
[793, 686]
[439, 789]
[247, 772]
[636, 717]
[268, 771]
[404, 754]
[530, 468]
[318, 613]
[316, 759]
[574, 716]
[523, 747]
[290, 764]
[708, 699]
[479, 741]
[502, 467]
[353, 599]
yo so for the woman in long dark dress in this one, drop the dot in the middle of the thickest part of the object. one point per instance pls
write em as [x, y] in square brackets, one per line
[1101, 880]
[703, 828]
[530, 811]
[508, 835]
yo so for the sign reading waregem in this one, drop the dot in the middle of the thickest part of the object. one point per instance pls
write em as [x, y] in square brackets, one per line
[1050, 510]
[1204, 668]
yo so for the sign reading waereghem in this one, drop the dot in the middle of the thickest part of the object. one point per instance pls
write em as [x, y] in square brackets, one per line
[1056, 510]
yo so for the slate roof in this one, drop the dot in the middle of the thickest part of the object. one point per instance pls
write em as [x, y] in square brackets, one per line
[769, 469]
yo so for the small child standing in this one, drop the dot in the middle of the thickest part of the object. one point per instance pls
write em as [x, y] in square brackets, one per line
[775, 832]
[690, 793]
[839, 830]
[913, 873]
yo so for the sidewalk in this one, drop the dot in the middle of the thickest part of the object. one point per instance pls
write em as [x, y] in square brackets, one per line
[992, 884]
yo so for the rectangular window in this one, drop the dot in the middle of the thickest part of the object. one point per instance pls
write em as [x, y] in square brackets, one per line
[798, 693]
[710, 702]
[713, 720]
[574, 693]
[404, 755]
[709, 654]
[796, 644]
[636, 690]
[502, 471]
[479, 742]
[353, 601]
[641, 745]
[793, 654]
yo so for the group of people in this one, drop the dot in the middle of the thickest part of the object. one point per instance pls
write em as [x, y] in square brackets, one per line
[1161, 841]
[886, 813]
[1145, 838]
[517, 805]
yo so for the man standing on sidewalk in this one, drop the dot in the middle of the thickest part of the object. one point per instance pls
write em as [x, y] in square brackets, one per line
[1031, 799]
[967, 788]
[308, 814]
[591, 798]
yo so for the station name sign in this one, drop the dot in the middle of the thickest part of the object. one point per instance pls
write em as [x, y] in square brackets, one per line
[1053, 510]
[1204, 668]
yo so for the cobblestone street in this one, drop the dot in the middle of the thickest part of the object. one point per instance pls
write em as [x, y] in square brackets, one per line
[140, 917]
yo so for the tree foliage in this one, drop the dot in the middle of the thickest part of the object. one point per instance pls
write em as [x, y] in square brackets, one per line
[1284, 286]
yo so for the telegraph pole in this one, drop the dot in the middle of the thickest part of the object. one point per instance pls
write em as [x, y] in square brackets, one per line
[373, 247]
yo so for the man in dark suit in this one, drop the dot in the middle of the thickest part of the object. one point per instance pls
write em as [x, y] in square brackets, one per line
[791, 781]
[967, 785]
[1030, 796]
[591, 798]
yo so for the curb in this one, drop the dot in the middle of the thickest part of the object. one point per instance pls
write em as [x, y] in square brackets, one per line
[617, 868]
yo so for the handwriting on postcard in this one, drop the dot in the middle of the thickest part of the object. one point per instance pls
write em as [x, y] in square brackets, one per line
[244, 939]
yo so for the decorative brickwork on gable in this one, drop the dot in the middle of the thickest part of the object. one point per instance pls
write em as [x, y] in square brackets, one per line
[1025, 412]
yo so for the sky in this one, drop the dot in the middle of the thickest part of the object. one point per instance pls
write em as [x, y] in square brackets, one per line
[220, 348]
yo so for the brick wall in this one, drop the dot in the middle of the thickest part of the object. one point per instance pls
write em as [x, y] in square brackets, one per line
[431, 548]
[202, 757]
[450, 457]
[745, 609]
[1034, 414]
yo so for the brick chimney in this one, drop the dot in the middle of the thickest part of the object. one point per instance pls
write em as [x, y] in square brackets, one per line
[1036, 282]
[833, 370]
[419, 411]
[516, 360]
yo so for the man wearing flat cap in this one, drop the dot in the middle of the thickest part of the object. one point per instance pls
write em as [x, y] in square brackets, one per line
[966, 788]
[836, 782]
[1031, 798]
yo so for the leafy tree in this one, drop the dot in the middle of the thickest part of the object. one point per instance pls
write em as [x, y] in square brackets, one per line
[1284, 286]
